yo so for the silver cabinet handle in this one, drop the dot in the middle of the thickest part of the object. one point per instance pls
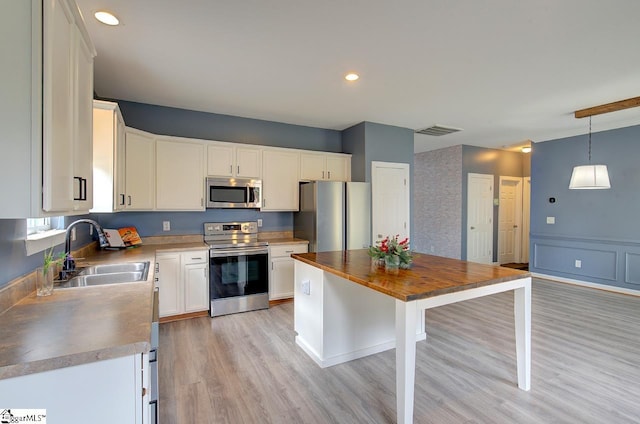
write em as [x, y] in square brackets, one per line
[238, 170]
[323, 175]
[328, 175]
[230, 169]
[288, 251]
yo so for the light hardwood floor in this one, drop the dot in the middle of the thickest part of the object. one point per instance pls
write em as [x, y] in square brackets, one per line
[246, 368]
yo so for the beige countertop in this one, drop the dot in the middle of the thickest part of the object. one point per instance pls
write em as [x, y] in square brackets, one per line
[283, 240]
[79, 325]
[85, 324]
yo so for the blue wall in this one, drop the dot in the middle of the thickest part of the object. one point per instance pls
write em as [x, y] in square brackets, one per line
[150, 223]
[14, 261]
[598, 227]
[212, 126]
[369, 141]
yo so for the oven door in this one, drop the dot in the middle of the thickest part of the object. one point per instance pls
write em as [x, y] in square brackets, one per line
[238, 272]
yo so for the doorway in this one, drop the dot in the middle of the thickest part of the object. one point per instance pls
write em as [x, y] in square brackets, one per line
[480, 218]
[390, 200]
[513, 220]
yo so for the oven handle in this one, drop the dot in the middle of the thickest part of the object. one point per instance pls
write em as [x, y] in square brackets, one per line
[243, 251]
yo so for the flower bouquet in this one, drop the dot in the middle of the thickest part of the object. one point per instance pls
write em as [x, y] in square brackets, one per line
[394, 253]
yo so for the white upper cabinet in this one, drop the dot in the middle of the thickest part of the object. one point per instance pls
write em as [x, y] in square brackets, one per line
[179, 175]
[140, 164]
[325, 167]
[45, 135]
[280, 180]
[226, 160]
[83, 126]
[108, 158]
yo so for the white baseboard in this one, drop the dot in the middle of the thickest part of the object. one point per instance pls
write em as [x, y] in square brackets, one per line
[350, 356]
[587, 284]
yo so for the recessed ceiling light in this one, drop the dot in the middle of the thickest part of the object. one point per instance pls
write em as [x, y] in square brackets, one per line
[351, 76]
[106, 18]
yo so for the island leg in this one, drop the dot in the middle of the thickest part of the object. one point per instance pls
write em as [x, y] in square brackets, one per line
[522, 315]
[406, 321]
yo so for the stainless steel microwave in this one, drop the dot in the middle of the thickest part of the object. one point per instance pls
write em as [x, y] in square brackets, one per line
[234, 193]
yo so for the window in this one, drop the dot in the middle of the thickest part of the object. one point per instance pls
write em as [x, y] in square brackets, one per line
[44, 233]
[38, 225]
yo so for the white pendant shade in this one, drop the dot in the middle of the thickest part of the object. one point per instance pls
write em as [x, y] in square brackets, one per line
[590, 177]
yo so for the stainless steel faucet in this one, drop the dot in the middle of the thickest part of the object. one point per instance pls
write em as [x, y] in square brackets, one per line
[69, 264]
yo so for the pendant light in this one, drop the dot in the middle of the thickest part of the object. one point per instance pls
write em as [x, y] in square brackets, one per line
[590, 177]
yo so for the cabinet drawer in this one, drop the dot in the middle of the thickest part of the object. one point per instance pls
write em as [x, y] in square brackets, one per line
[195, 257]
[287, 249]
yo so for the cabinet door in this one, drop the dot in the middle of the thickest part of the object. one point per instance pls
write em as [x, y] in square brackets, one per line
[220, 160]
[281, 282]
[83, 124]
[312, 167]
[281, 277]
[179, 175]
[169, 283]
[248, 163]
[280, 180]
[337, 168]
[119, 178]
[79, 393]
[140, 171]
[196, 287]
[57, 195]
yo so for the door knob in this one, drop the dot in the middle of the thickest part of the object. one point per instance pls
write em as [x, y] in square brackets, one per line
[473, 228]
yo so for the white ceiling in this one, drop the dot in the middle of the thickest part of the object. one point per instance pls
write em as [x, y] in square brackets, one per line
[505, 71]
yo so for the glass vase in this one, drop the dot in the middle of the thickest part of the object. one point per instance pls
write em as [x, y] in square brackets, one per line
[44, 281]
[392, 263]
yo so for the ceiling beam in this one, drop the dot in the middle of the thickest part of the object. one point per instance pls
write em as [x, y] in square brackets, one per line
[609, 107]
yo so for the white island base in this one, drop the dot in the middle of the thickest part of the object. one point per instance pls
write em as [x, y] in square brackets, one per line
[338, 321]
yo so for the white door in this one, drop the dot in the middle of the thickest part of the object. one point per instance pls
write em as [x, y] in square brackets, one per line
[510, 220]
[390, 199]
[526, 210]
[480, 218]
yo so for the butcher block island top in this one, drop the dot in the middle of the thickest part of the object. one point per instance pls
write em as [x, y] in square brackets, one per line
[428, 276]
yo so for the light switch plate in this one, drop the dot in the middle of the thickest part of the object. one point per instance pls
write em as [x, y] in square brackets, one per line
[306, 287]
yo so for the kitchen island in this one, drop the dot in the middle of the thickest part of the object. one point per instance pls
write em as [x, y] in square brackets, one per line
[346, 308]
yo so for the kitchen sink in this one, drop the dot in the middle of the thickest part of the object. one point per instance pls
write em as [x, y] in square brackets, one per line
[114, 268]
[98, 275]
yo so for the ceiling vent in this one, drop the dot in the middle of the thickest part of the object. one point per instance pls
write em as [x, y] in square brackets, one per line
[438, 130]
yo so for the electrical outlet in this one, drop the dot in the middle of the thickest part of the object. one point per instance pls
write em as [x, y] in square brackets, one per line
[166, 225]
[578, 263]
[551, 220]
[306, 287]
[73, 234]
[259, 222]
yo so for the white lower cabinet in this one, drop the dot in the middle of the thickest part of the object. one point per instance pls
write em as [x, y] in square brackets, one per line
[102, 392]
[281, 271]
[183, 279]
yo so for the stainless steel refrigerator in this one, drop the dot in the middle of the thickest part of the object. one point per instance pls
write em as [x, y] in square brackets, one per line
[334, 215]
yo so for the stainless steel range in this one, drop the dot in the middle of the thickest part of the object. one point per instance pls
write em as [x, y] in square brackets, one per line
[238, 267]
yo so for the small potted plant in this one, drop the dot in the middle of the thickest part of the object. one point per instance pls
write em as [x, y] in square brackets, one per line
[393, 252]
[46, 274]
